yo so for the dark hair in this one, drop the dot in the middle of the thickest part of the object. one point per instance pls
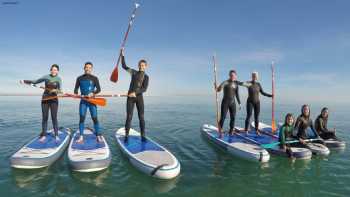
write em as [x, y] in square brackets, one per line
[302, 110]
[286, 118]
[56, 66]
[233, 71]
[142, 61]
[323, 110]
[87, 63]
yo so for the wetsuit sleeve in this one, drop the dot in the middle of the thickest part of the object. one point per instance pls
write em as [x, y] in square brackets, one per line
[59, 88]
[128, 69]
[297, 124]
[321, 126]
[42, 79]
[264, 93]
[143, 87]
[246, 84]
[282, 136]
[76, 88]
[98, 87]
[221, 86]
[237, 96]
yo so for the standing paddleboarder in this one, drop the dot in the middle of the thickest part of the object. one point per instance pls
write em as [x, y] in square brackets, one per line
[89, 86]
[138, 86]
[53, 84]
[253, 101]
[231, 92]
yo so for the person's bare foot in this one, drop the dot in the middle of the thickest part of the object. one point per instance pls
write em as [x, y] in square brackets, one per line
[42, 139]
[99, 139]
[80, 140]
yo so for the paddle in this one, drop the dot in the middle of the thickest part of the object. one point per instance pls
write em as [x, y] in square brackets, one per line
[273, 123]
[216, 97]
[114, 75]
[97, 101]
[287, 142]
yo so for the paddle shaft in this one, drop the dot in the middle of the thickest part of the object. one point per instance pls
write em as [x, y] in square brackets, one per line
[114, 75]
[216, 95]
[273, 124]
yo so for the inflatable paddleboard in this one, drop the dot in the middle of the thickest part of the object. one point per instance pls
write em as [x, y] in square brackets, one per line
[90, 155]
[149, 157]
[315, 148]
[38, 154]
[236, 145]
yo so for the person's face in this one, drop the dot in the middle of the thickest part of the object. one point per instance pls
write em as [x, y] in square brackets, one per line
[88, 68]
[290, 120]
[142, 66]
[306, 111]
[54, 71]
[325, 113]
[254, 77]
[233, 76]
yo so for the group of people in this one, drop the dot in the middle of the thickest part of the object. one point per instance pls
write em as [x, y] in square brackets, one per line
[302, 125]
[230, 89]
[89, 87]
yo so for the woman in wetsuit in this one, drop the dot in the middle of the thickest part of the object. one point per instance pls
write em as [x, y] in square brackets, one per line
[303, 123]
[321, 125]
[230, 88]
[138, 86]
[286, 133]
[89, 86]
[53, 84]
[253, 101]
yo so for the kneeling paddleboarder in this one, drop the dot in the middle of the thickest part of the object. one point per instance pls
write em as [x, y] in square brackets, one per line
[138, 86]
[286, 134]
[321, 125]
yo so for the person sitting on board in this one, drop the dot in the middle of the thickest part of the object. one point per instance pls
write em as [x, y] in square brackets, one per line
[303, 123]
[89, 86]
[231, 91]
[53, 84]
[138, 86]
[286, 134]
[321, 126]
[253, 101]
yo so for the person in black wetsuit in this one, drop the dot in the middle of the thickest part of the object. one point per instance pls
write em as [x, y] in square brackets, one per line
[138, 86]
[53, 85]
[321, 125]
[89, 86]
[253, 101]
[303, 123]
[231, 91]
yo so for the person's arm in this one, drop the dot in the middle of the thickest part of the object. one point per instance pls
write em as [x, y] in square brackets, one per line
[282, 137]
[125, 67]
[264, 93]
[76, 86]
[237, 95]
[312, 128]
[41, 79]
[98, 87]
[246, 84]
[143, 87]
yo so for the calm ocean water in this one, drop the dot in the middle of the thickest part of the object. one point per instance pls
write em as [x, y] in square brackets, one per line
[173, 122]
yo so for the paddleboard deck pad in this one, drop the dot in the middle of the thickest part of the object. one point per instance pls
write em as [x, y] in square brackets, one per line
[90, 155]
[236, 145]
[36, 154]
[148, 156]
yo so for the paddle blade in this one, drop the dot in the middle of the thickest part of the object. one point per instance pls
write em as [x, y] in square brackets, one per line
[273, 126]
[114, 75]
[97, 101]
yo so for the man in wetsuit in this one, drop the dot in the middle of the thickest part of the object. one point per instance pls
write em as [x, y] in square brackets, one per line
[89, 86]
[230, 88]
[138, 86]
[53, 85]
[321, 125]
[253, 101]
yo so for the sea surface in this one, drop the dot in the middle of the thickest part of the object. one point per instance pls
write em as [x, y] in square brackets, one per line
[174, 122]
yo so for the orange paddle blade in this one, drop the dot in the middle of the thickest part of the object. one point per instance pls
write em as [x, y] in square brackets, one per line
[273, 126]
[114, 75]
[97, 101]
